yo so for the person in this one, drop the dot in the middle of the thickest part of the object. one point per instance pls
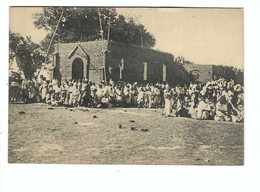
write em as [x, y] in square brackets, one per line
[99, 93]
[75, 95]
[112, 95]
[86, 93]
[133, 93]
[157, 94]
[222, 110]
[168, 104]
[178, 106]
[149, 95]
[220, 100]
[203, 109]
[140, 97]
[44, 89]
[119, 96]
[25, 90]
[36, 85]
[93, 95]
[237, 115]
[32, 93]
[65, 89]
[127, 95]
[105, 97]
[14, 91]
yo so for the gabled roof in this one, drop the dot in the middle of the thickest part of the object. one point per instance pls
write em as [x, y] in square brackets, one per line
[75, 49]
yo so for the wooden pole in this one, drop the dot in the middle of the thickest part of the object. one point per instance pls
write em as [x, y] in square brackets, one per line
[141, 38]
[121, 69]
[108, 33]
[102, 49]
[54, 33]
[100, 23]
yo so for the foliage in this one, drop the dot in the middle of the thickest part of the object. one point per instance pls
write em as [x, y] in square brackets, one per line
[131, 33]
[15, 76]
[83, 24]
[27, 54]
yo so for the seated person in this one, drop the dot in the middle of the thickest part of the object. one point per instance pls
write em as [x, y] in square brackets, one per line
[203, 109]
[222, 110]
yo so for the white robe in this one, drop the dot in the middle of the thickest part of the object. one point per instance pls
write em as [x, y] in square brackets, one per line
[168, 102]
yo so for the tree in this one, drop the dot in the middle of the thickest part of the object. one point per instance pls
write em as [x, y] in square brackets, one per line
[82, 24]
[131, 33]
[27, 54]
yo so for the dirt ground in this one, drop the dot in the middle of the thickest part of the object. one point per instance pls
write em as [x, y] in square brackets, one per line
[72, 136]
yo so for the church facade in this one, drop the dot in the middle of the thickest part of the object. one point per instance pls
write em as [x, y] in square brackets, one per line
[97, 61]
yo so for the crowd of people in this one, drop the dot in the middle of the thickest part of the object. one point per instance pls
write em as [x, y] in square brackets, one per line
[219, 100]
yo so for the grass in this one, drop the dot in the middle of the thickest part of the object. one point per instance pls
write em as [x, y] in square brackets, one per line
[62, 136]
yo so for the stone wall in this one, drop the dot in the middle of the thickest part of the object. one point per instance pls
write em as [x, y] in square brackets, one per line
[93, 60]
[201, 73]
[93, 56]
[204, 73]
[134, 58]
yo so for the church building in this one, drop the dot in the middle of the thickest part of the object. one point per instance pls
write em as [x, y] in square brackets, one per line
[105, 60]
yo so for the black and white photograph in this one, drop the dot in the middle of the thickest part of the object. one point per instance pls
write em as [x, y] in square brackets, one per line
[126, 86]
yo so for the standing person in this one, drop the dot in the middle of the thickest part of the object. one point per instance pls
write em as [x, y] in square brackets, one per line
[133, 93]
[149, 95]
[67, 94]
[105, 96]
[86, 93]
[179, 106]
[140, 97]
[36, 84]
[127, 95]
[50, 92]
[157, 95]
[25, 90]
[112, 95]
[99, 92]
[63, 94]
[70, 90]
[162, 88]
[32, 92]
[44, 89]
[75, 95]
[168, 102]
[119, 96]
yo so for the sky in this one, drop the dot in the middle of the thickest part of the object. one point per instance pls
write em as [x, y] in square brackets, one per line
[200, 35]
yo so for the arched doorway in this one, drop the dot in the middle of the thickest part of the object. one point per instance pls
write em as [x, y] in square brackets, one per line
[195, 75]
[77, 69]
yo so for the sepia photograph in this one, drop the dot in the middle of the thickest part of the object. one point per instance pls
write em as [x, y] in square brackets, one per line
[126, 86]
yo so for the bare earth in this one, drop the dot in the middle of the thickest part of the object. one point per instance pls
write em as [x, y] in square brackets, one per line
[61, 136]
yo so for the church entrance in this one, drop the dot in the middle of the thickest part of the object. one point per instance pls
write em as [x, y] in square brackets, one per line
[77, 69]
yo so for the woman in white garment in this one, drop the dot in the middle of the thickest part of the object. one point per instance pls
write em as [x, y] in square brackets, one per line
[149, 98]
[140, 97]
[168, 102]
[71, 88]
[99, 93]
[44, 89]
[127, 95]
[75, 95]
